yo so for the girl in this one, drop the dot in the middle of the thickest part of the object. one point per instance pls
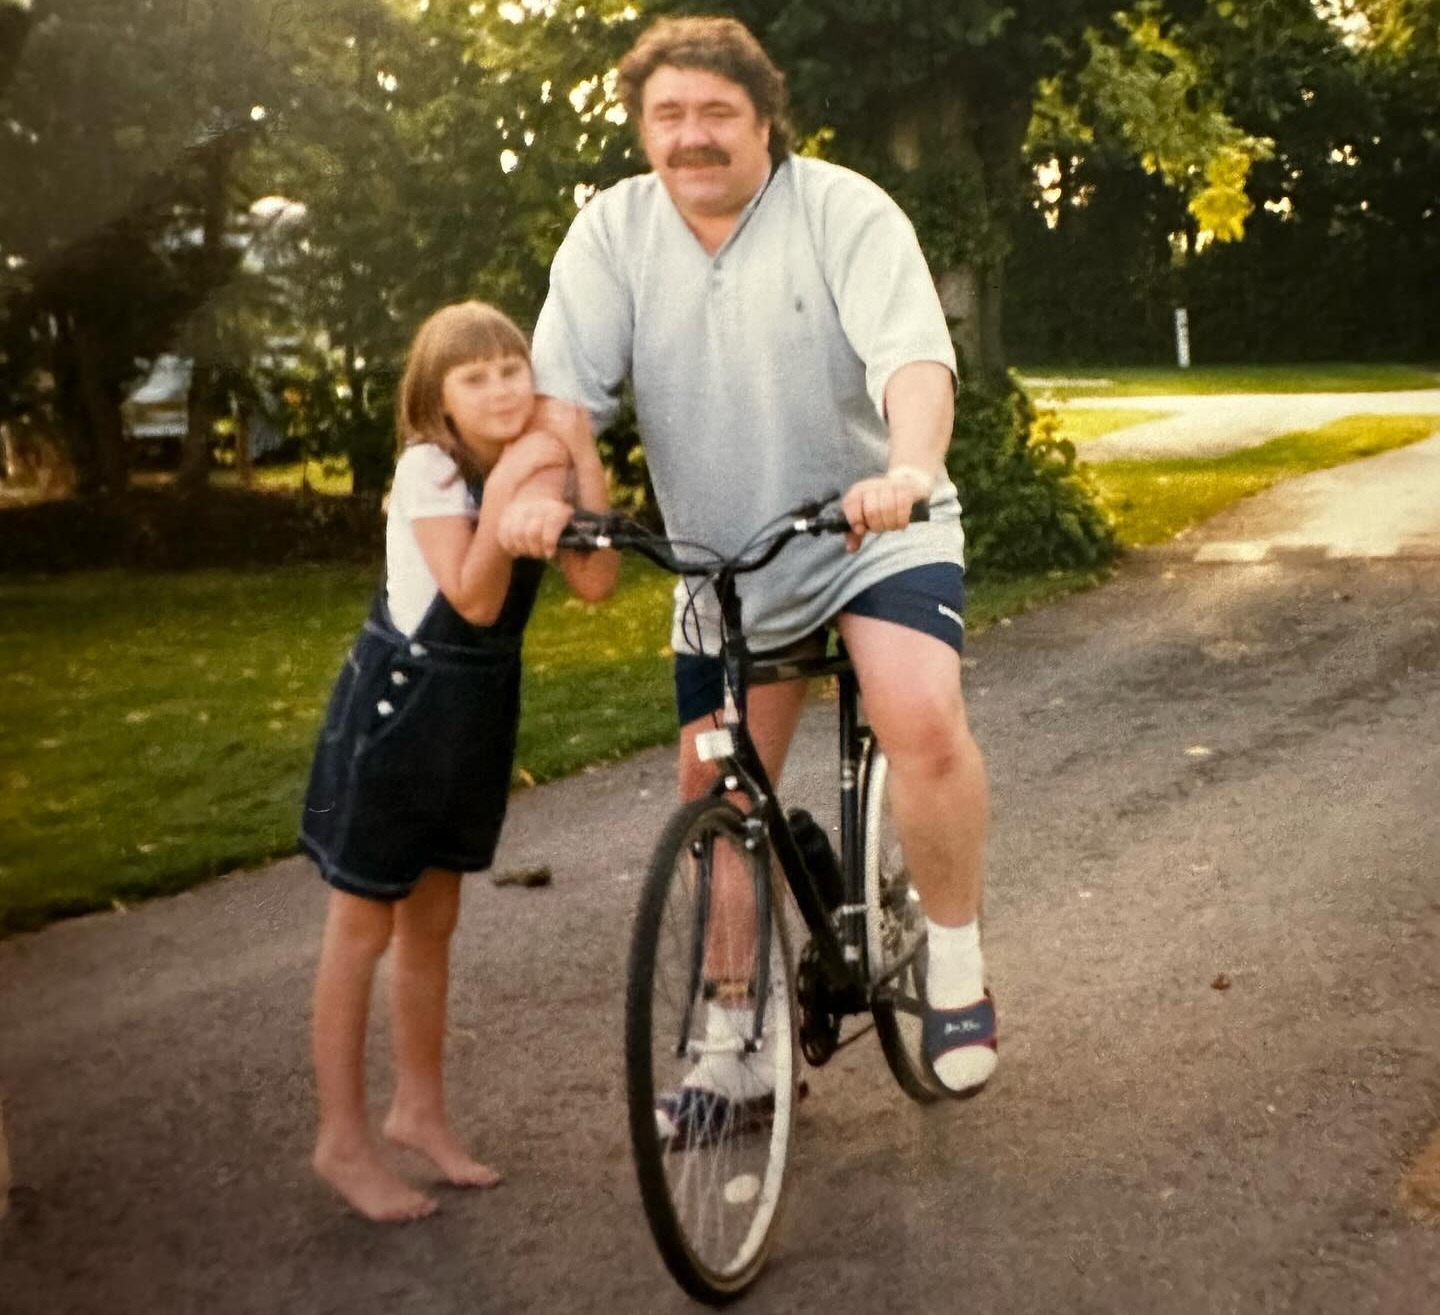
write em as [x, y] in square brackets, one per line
[411, 773]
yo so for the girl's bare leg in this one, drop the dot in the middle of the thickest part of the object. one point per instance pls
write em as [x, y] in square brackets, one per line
[356, 933]
[419, 983]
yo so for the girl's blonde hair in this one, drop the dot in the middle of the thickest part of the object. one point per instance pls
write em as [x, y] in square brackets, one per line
[453, 335]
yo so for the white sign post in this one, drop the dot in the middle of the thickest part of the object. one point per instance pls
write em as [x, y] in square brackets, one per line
[1182, 337]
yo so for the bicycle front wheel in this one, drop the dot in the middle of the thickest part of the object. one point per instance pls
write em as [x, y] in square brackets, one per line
[710, 1051]
[895, 938]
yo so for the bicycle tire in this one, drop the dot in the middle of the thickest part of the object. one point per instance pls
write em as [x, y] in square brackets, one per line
[713, 1206]
[895, 937]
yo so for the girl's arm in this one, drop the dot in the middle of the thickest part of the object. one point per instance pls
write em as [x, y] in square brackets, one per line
[592, 576]
[470, 567]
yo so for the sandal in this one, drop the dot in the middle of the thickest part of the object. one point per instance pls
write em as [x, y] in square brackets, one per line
[948, 1030]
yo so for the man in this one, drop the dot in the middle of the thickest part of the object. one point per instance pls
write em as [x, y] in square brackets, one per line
[782, 335]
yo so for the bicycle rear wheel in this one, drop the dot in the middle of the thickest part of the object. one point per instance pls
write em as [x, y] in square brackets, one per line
[711, 1101]
[895, 937]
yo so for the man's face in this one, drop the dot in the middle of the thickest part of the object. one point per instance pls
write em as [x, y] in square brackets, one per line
[704, 139]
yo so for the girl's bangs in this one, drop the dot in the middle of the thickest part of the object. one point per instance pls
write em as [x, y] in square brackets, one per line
[482, 338]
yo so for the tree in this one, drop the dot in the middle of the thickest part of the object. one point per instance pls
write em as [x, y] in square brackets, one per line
[117, 114]
[934, 100]
[1341, 244]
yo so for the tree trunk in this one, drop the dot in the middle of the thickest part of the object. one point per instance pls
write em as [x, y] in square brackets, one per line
[243, 467]
[1003, 124]
[202, 410]
[982, 137]
[88, 405]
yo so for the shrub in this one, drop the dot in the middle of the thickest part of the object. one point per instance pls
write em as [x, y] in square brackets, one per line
[1028, 506]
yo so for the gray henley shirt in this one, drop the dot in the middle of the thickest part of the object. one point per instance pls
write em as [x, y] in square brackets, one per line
[759, 373]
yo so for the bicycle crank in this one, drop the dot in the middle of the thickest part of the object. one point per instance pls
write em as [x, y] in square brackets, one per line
[819, 1009]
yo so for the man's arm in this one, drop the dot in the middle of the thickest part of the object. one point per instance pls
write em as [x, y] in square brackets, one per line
[920, 411]
[582, 341]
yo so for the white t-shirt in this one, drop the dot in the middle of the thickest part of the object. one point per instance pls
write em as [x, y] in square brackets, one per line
[427, 483]
[759, 372]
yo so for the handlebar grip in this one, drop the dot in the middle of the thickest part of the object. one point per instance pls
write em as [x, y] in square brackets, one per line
[835, 521]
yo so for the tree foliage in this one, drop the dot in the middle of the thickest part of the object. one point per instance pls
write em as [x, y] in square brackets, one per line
[1341, 244]
[117, 117]
[283, 191]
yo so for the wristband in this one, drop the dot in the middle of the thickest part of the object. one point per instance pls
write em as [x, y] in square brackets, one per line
[914, 473]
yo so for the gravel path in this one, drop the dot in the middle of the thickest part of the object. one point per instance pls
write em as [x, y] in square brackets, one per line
[1208, 425]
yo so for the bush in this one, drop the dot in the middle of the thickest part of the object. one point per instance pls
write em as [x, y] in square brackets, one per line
[155, 529]
[1028, 506]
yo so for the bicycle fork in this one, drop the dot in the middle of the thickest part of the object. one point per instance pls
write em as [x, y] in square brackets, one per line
[701, 989]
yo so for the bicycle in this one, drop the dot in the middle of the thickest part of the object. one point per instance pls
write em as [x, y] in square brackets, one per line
[711, 940]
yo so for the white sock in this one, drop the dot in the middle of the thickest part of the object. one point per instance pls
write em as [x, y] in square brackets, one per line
[737, 1074]
[955, 978]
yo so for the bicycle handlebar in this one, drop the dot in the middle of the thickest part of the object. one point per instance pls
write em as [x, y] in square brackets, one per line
[590, 530]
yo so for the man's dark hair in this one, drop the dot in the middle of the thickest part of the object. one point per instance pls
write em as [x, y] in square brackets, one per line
[718, 45]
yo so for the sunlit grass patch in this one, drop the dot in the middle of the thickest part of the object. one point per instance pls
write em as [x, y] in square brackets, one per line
[1082, 424]
[1152, 501]
[330, 475]
[1063, 383]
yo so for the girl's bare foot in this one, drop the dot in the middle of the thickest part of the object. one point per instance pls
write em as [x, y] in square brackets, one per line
[371, 1188]
[437, 1142]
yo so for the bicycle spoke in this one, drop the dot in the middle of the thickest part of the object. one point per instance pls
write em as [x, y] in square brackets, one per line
[711, 1161]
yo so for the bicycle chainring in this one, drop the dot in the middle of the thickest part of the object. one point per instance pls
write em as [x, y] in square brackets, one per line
[819, 1012]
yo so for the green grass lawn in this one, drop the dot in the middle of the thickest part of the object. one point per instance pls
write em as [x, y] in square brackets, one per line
[1146, 381]
[156, 729]
[1152, 501]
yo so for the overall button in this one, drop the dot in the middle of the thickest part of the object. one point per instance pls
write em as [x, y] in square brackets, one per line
[417, 650]
[384, 707]
[399, 678]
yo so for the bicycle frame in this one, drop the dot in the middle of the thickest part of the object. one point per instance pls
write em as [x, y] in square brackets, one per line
[842, 951]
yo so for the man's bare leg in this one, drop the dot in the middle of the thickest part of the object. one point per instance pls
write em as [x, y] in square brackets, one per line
[356, 934]
[419, 985]
[941, 802]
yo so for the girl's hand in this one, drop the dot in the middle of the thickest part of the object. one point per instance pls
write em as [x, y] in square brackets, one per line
[531, 528]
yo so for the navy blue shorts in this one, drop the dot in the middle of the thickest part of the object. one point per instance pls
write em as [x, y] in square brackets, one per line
[930, 599]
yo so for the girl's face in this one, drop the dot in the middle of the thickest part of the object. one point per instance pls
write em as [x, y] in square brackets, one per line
[489, 400]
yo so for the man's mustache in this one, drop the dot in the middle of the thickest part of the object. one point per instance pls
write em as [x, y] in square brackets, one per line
[690, 157]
